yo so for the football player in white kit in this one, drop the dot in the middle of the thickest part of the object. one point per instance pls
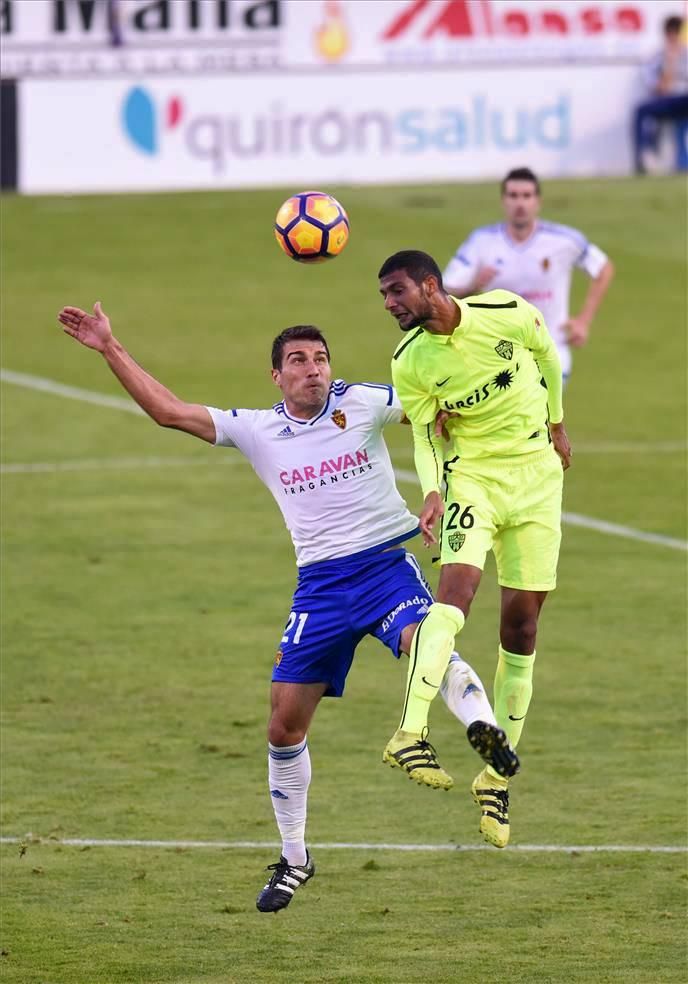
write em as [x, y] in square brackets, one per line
[535, 259]
[321, 453]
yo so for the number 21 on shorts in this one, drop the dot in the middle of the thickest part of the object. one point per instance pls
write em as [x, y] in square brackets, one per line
[299, 628]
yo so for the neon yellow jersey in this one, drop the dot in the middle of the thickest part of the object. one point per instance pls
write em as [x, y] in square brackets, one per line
[487, 373]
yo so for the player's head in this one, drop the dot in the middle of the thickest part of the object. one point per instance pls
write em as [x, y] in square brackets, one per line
[521, 197]
[409, 281]
[672, 29]
[301, 368]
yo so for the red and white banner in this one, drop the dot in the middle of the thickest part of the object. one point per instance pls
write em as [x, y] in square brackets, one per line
[126, 38]
[433, 33]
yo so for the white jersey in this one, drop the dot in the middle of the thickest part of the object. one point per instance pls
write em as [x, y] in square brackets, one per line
[538, 269]
[331, 476]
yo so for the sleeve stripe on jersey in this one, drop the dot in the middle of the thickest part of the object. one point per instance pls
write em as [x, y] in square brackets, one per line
[568, 232]
[234, 413]
[438, 470]
[339, 388]
[377, 386]
[408, 342]
[509, 304]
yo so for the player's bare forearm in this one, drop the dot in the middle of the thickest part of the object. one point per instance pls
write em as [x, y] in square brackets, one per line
[596, 291]
[160, 403]
[94, 331]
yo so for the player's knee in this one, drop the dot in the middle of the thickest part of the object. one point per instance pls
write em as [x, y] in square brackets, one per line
[283, 733]
[458, 592]
[519, 634]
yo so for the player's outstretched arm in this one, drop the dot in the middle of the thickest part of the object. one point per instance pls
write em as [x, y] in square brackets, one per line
[166, 409]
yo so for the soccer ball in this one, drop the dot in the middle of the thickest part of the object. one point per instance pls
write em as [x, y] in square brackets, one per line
[312, 226]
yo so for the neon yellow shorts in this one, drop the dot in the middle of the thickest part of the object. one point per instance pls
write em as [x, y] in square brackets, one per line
[511, 506]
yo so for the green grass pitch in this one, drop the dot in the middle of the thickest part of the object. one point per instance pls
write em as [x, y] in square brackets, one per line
[146, 582]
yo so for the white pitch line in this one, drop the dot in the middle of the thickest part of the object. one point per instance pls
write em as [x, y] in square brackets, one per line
[632, 447]
[614, 529]
[345, 846]
[113, 464]
[123, 403]
[590, 523]
[621, 447]
[70, 392]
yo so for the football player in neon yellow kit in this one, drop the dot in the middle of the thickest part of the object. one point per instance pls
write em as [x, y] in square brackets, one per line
[490, 363]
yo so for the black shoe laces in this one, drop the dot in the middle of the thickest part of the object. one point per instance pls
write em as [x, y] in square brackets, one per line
[426, 748]
[280, 868]
[502, 797]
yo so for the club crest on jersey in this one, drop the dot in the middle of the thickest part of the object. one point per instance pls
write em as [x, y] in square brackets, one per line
[545, 264]
[339, 418]
[505, 349]
[456, 541]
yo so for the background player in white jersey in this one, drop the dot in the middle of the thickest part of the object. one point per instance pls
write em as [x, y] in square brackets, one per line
[321, 453]
[534, 259]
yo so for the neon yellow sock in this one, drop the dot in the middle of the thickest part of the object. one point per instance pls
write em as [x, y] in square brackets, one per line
[513, 688]
[431, 648]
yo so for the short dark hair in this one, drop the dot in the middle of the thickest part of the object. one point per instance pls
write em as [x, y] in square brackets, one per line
[418, 265]
[521, 174]
[673, 25]
[294, 334]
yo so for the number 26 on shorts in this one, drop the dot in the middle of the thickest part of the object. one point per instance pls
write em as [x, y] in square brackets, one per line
[456, 518]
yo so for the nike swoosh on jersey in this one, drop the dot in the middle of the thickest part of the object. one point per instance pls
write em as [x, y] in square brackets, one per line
[443, 381]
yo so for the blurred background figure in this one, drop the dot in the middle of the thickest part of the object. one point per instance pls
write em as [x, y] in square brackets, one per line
[666, 83]
[114, 10]
[534, 259]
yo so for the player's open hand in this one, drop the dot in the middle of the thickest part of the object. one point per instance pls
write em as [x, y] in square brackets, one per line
[560, 442]
[433, 509]
[92, 330]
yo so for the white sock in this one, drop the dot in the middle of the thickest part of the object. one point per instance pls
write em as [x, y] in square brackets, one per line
[464, 694]
[289, 776]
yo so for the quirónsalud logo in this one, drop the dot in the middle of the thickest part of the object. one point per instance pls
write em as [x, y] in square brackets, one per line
[144, 121]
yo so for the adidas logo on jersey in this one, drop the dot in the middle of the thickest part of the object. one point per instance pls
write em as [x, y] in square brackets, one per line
[287, 432]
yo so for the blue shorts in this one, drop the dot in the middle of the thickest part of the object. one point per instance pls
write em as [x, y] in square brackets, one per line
[337, 603]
